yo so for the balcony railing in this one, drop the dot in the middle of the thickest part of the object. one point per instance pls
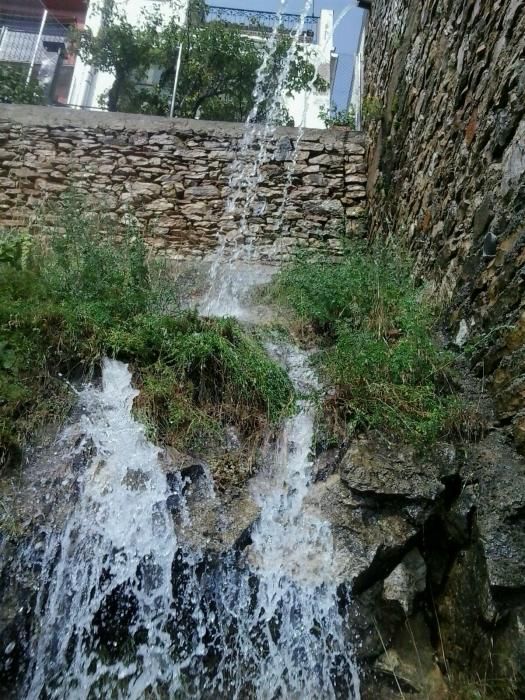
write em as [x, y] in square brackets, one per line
[258, 22]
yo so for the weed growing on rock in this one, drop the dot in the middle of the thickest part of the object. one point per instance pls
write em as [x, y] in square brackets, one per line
[89, 289]
[375, 328]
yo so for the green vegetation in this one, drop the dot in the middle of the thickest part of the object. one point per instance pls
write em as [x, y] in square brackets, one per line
[219, 65]
[91, 291]
[372, 109]
[13, 86]
[338, 117]
[375, 328]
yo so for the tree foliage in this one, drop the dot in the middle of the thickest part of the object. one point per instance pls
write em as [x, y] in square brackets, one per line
[219, 65]
[14, 89]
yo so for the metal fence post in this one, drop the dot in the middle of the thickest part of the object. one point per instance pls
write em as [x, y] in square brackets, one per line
[176, 81]
[37, 44]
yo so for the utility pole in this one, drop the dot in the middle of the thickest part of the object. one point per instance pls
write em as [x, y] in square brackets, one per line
[37, 44]
[179, 59]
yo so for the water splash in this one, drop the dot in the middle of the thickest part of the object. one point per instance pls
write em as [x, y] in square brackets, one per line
[127, 610]
[106, 579]
[246, 178]
[268, 623]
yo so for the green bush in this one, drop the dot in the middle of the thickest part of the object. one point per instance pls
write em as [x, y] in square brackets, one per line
[338, 117]
[372, 109]
[15, 89]
[91, 290]
[375, 328]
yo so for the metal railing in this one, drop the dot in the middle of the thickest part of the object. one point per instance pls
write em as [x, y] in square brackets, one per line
[259, 22]
[34, 41]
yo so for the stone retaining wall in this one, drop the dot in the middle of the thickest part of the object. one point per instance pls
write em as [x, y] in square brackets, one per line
[445, 84]
[173, 176]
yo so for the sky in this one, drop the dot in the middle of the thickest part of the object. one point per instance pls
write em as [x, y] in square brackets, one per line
[346, 35]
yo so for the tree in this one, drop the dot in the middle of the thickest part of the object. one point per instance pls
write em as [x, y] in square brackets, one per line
[14, 88]
[219, 65]
[119, 48]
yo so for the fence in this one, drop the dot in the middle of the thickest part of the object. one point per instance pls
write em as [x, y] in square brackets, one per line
[261, 22]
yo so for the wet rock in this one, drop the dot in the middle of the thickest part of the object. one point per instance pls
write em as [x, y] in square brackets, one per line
[508, 655]
[500, 474]
[326, 464]
[283, 150]
[406, 581]
[409, 664]
[368, 542]
[372, 467]
[465, 609]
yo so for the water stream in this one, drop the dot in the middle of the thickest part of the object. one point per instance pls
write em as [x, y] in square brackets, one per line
[129, 608]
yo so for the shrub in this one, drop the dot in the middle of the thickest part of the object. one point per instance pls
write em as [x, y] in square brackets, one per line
[372, 109]
[14, 88]
[338, 117]
[375, 328]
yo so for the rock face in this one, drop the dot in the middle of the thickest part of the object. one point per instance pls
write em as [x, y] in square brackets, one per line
[429, 549]
[173, 177]
[447, 168]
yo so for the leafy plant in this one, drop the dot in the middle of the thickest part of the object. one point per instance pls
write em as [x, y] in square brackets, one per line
[372, 109]
[15, 248]
[335, 117]
[14, 87]
[376, 331]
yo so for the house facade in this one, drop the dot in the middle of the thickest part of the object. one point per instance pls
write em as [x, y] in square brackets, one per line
[89, 86]
[33, 39]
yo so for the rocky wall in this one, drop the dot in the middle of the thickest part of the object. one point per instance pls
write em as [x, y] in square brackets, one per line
[173, 176]
[445, 106]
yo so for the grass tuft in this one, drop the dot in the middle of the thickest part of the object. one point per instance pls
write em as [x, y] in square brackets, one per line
[376, 329]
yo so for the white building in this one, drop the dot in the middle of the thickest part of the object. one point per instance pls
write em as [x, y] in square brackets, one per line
[356, 89]
[88, 85]
[304, 107]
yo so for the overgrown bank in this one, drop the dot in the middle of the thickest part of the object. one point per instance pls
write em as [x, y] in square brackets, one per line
[377, 332]
[81, 290]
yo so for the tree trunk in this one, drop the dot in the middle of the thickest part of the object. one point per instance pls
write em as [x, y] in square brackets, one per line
[114, 92]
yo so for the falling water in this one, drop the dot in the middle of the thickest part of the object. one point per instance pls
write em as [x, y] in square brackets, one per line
[247, 175]
[128, 608]
[269, 621]
[105, 592]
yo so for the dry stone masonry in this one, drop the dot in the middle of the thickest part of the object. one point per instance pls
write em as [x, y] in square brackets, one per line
[445, 84]
[173, 176]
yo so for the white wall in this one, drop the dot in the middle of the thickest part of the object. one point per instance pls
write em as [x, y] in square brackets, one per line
[356, 97]
[304, 107]
[89, 85]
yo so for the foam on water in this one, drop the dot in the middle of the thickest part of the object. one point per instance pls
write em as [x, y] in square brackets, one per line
[114, 554]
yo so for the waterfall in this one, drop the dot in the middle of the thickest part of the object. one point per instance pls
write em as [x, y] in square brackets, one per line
[111, 564]
[246, 176]
[128, 607]
[127, 610]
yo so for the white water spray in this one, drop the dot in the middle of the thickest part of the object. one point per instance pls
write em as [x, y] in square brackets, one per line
[244, 185]
[111, 565]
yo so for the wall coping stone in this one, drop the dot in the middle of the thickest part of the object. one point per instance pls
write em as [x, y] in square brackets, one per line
[63, 117]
